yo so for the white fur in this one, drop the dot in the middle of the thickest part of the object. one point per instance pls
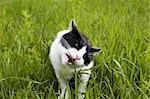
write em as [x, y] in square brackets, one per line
[64, 71]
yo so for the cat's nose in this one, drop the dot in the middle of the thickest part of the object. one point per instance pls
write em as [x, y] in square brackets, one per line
[77, 57]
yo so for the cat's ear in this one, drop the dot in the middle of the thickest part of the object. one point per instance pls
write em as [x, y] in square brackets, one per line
[94, 50]
[73, 26]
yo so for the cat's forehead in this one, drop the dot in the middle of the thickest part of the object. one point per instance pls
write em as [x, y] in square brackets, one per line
[73, 40]
[78, 38]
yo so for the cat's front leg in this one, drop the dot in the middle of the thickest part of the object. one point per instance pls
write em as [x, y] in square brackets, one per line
[83, 82]
[64, 91]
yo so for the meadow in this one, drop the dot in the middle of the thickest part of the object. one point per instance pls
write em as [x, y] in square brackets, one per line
[120, 27]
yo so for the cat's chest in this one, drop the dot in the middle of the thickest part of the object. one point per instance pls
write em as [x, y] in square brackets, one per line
[66, 71]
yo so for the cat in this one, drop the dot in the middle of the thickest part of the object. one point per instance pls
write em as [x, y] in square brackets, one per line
[71, 52]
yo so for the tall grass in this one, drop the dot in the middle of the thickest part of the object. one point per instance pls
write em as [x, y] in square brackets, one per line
[119, 27]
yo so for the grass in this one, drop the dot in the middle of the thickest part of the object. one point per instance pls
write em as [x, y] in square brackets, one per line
[119, 27]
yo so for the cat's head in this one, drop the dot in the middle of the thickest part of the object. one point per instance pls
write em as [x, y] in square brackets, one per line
[78, 45]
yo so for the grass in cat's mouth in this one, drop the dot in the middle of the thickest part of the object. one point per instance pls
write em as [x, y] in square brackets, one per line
[71, 60]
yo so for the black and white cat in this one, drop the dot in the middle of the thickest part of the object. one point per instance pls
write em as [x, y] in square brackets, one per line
[71, 52]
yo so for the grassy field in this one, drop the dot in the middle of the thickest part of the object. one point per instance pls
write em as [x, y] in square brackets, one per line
[120, 27]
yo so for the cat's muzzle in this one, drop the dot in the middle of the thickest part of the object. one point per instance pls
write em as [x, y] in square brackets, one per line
[72, 60]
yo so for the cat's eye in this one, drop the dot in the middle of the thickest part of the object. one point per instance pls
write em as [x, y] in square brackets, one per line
[76, 44]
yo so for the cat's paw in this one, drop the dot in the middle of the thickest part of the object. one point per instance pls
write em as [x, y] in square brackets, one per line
[80, 96]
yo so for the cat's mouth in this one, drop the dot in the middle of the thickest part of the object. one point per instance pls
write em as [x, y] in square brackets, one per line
[72, 60]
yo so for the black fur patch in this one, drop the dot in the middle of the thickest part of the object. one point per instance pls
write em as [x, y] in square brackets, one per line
[87, 58]
[74, 40]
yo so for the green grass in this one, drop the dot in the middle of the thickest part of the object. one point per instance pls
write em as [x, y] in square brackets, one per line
[120, 27]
